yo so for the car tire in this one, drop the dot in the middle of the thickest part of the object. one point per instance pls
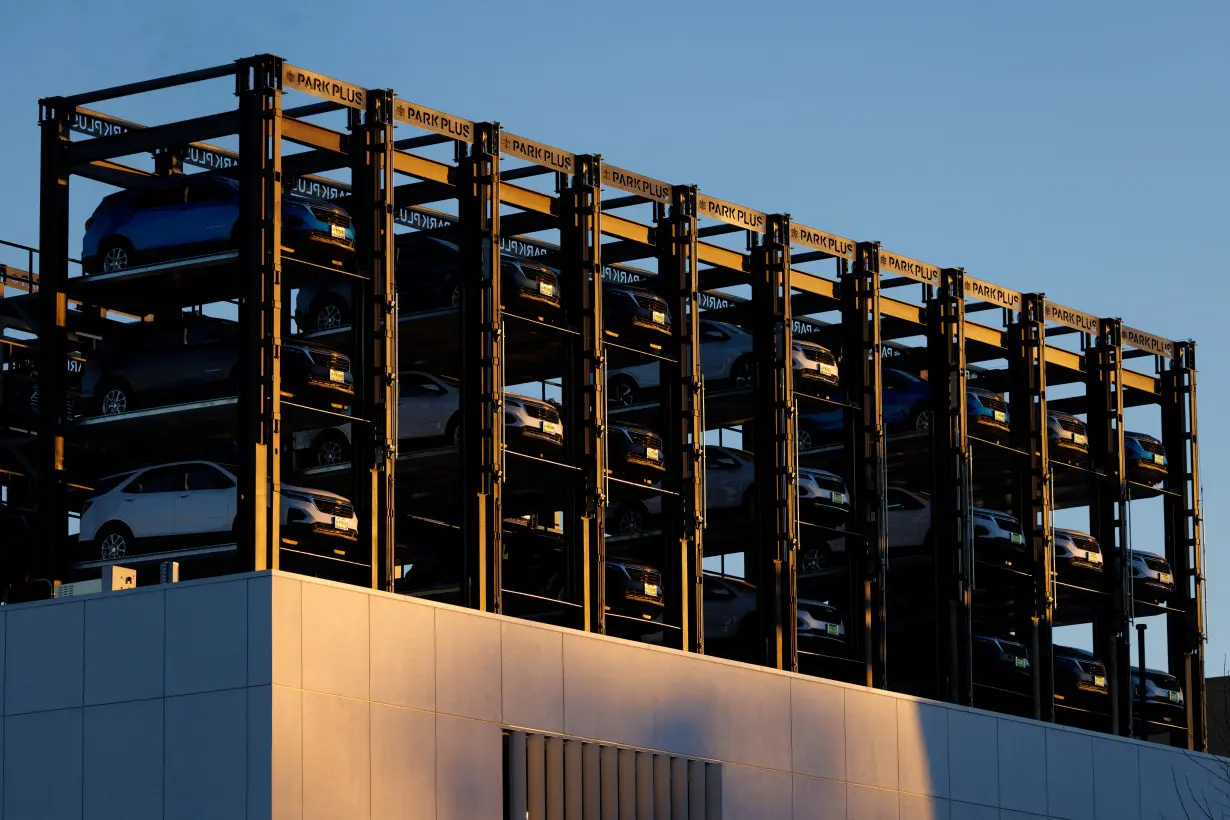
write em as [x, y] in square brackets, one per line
[806, 437]
[452, 431]
[114, 255]
[329, 449]
[623, 390]
[628, 519]
[816, 559]
[921, 422]
[114, 541]
[330, 312]
[743, 373]
[115, 398]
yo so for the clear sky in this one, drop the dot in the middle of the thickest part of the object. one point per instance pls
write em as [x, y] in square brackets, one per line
[1077, 149]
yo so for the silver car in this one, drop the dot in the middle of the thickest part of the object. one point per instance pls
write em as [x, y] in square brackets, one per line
[428, 410]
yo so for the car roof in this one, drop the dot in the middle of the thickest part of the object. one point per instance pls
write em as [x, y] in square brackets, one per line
[1130, 434]
[1144, 554]
[1073, 652]
[817, 471]
[1075, 532]
[730, 579]
[149, 467]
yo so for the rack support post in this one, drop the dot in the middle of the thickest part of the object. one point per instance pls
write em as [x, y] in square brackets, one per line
[776, 452]
[585, 390]
[860, 372]
[482, 377]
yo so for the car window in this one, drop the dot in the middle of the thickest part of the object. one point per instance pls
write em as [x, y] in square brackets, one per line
[207, 477]
[710, 332]
[415, 384]
[209, 190]
[899, 500]
[159, 480]
[110, 483]
[160, 196]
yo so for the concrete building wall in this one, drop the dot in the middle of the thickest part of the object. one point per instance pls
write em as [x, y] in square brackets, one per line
[271, 695]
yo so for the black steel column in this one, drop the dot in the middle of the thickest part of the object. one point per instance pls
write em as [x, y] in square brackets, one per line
[585, 389]
[482, 366]
[951, 528]
[53, 336]
[260, 311]
[684, 435]
[374, 439]
[1108, 517]
[1027, 399]
[1185, 630]
[776, 550]
[860, 373]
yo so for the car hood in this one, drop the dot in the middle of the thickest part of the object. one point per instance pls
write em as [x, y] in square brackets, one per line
[311, 491]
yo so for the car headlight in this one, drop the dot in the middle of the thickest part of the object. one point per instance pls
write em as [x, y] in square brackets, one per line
[294, 495]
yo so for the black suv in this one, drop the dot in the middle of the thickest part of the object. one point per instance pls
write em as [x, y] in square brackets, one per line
[1002, 663]
[634, 589]
[635, 453]
[428, 275]
[1161, 699]
[1080, 679]
[631, 312]
[149, 365]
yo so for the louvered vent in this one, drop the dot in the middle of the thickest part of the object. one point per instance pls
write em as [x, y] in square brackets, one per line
[547, 777]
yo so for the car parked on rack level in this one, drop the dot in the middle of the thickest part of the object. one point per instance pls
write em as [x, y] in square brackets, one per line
[1002, 663]
[1144, 457]
[1076, 553]
[1067, 437]
[634, 452]
[1160, 698]
[998, 536]
[160, 363]
[186, 215]
[1080, 679]
[730, 615]
[1152, 577]
[191, 503]
[630, 313]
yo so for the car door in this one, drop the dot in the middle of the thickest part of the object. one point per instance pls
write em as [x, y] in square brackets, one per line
[205, 503]
[424, 407]
[212, 208]
[714, 343]
[156, 226]
[909, 519]
[206, 357]
[147, 502]
[723, 479]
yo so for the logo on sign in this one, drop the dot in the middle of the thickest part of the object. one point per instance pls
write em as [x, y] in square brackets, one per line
[317, 190]
[904, 266]
[541, 154]
[633, 183]
[821, 241]
[987, 292]
[1148, 342]
[86, 124]
[204, 158]
[708, 301]
[518, 248]
[324, 87]
[417, 219]
[622, 277]
[726, 212]
[1071, 318]
[434, 121]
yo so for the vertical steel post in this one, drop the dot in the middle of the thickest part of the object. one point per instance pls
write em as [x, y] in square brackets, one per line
[482, 377]
[585, 390]
[684, 435]
[951, 534]
[1108, 516]
[1027, 399]
[860, 372]
[260, 311]
[53, 336]
[374, 439]
[776, 454]
[1184, 525]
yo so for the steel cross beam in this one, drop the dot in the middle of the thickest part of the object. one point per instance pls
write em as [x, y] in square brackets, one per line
[258, 515]
[860, 372]
[1108, 517]
[482, 376]
[374, 327]
[952, 540]
[776, 550]
[580, 264]
[53, 335]
[683, 408]
[1027, 399]
[1184, 534]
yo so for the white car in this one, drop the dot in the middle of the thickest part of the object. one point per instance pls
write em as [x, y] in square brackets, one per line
[726, 357]
[997, 536]
[428, 410]
[195, 501]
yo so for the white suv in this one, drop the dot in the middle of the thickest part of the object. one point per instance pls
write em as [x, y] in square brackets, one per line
[191, 501]
[428, 410]
[725, 357]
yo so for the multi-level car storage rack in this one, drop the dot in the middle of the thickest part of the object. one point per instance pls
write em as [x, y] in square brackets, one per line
[499, 190]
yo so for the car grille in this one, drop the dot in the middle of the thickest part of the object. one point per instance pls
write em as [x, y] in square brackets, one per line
[833, 484]
[333, 506]
[817, 354]
[1156, 564]
[1084, 544]
[992, 401]
[645, 575]
[1071, 425]
[333, 361]
[1151, 446]
[1090, 667]
[331, 216]
[651, 302]
[645, 438]
[536, 275]
[545, 412]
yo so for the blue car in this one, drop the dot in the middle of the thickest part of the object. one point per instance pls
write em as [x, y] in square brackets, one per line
[906, 408]
[191, 214]
[1144, 457]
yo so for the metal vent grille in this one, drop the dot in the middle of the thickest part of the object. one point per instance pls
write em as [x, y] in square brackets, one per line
[547, 777]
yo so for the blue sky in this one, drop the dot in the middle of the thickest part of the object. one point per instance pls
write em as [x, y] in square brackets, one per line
[1074, 149]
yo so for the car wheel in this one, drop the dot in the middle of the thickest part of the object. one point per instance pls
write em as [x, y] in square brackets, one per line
[116, 255]
[455, 296]
[806, 441]
[922, 421]
[452, 431]
[743, 373]
[623, 391]
[630, 519]
[114, 541]
[331, 313]
[331, 448]
[815, 559]
[116, 399]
